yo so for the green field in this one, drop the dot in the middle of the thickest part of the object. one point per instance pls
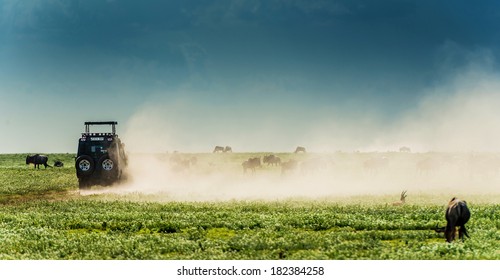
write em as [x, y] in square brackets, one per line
[44, 216]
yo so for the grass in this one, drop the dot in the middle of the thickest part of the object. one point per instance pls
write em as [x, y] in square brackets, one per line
[43, 216]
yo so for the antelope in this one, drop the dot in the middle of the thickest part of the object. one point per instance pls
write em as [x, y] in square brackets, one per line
[401, 201]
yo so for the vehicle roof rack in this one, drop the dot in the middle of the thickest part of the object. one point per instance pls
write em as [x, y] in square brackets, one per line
[112, 123]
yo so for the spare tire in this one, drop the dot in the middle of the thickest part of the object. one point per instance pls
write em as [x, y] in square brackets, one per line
[84, 166]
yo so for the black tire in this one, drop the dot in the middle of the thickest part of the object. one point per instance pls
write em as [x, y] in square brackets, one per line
[84, 166]
[108, 168]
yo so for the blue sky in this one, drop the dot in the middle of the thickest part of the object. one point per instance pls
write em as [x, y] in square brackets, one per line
[262, 75]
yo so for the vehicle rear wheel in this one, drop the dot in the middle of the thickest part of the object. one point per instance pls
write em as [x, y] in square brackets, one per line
[108, 168]
[84, 166]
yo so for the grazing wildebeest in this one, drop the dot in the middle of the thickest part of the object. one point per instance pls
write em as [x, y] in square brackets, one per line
[228, 149]
[457, 215]
[58, 163]
[272, 160]
[402, 199]
[312, 165]
[179, 164]
[375, 164]
[288, 166]
[218, 149]
[251, 164]
[404, 150]
[428, 165]
[37, 160]
[300, 149]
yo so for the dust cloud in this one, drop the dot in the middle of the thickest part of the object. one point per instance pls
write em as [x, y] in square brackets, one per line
[453, 135]
[220, 177]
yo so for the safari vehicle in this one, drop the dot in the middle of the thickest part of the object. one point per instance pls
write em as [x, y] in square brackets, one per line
[101, 158]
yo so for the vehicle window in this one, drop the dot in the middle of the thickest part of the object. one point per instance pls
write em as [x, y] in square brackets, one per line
[95, 149]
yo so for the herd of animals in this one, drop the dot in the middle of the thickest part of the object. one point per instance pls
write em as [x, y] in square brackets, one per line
[38, 160]
[457, 213]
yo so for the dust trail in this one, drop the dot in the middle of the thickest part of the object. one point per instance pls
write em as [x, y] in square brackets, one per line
[453, 134]
[220, 177]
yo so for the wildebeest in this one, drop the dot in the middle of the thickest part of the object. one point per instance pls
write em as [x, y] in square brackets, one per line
[428, 165]
[37, 160]
[300, 149]
[218, 149]
[228, 149]
[402, 199]
[312, 165]
[179, 164]
[272, 160]
[404, 150]
[375, 164]
[251, 164]
[457, 215]
[288, 166]
[182, 165]
[58, 163]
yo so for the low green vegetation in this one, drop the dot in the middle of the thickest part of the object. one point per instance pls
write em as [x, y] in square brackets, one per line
[43, 216]
[21, 181]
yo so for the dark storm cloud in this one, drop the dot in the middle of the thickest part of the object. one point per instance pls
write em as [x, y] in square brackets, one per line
[114, 23]
[95, 40]
[289, 62]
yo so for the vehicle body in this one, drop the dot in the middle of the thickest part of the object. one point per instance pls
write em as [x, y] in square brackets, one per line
[101, 157]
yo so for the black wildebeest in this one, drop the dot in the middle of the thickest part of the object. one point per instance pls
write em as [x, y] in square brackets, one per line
[251, 164]
[300, 149]
[228, 149]
[288, 166]
[272, 160]
[373, 165]
[37, 160]
[179, 164]
[457, 215]
[218, 149]
[404, 150]
[312, 165]
[428, 165]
